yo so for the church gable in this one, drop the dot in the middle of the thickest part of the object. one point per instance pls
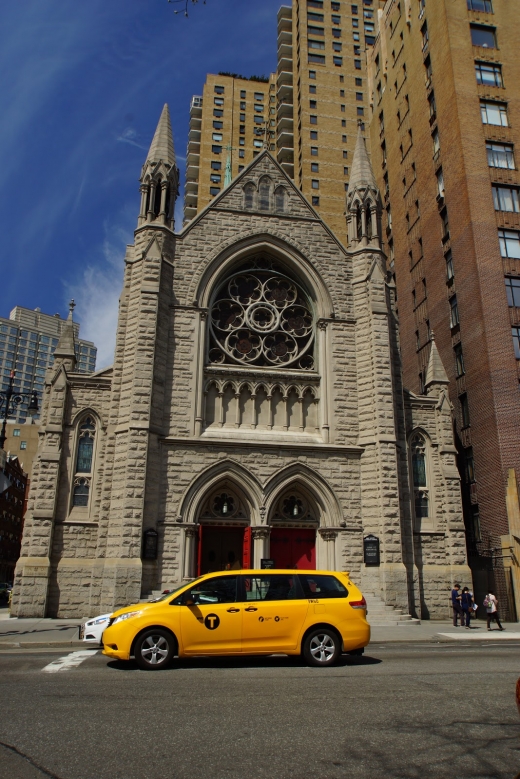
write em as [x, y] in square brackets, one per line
[263, 187]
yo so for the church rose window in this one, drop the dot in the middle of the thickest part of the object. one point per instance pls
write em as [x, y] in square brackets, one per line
[260, 316]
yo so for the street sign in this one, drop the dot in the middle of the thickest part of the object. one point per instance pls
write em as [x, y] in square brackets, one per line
[267, 562]
[371, 550]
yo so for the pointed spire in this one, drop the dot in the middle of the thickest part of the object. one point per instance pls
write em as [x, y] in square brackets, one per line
[161, 147]
[361, 173]
[66, 348]
[435, 373]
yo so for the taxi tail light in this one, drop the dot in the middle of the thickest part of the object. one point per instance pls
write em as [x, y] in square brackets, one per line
[358, 604]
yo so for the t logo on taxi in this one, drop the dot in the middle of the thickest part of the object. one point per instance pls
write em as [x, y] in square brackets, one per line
[212, 621]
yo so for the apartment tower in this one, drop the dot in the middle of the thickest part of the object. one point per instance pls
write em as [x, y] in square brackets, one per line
[321, 96]
[444, 83]
[28, 339]
[230, 123]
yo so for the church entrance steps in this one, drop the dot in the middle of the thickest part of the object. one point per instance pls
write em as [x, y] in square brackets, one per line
[379, 614]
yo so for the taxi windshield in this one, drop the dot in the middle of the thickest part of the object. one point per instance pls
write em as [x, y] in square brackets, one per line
[169, 593]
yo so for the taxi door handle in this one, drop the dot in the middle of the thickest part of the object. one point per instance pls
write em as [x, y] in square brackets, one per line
[251, 608]
[232, 611]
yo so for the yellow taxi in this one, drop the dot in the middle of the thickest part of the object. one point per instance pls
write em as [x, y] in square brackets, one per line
[318, 614]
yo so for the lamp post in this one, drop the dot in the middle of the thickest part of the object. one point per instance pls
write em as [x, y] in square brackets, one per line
[10, 399]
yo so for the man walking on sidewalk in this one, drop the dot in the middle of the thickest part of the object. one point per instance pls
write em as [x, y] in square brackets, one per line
[457, 608]
[491, 604]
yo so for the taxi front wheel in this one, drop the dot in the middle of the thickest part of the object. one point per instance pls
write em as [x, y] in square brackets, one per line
[154, 649]
[321, 647]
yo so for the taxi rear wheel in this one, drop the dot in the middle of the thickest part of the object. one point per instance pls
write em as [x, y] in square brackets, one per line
[154, 649]
[322, 647]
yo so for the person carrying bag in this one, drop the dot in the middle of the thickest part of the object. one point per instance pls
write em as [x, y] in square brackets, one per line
[491, 606]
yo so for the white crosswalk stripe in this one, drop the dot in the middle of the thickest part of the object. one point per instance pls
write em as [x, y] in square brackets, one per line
[69, 661]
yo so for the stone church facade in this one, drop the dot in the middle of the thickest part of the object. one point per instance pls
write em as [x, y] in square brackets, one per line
[254, 410]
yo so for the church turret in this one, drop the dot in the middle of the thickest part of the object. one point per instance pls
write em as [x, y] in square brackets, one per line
[436, 375]
[66, 349]
[363, 200]
[159, 176]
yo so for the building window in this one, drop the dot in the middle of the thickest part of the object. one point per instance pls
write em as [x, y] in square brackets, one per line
[216, 165]
[506, 198]
[454, 312]
[314, 151]
[357, 64]
[432, 106]
[319, 59]
[16, 432]
[480, 5]
[424, 35]
[314, 31]
[84, 462]
[218, 125]
[315, 44]
[459, 360]
[314, 167]
[240, 168]
[218, 90]
[489, 73]
[516, 341]
[336, 19]
[313, 119]
[242, 94]
[218, 101]
[450, 273]
[360, 111]
[313, 104]
[500, 155]
[338, 61]
[493, 113]
[336, 32]
[315, 184]
[440, 182]
[312, 74]
[215, 178]
[313, 17]
[218, 112]
[314, 135]
[241, 153]
[513, 291]
[216, 149]
[436, 144]
[23, 444]
[312, 89]
[464, 410]
[336, 46]
[264, 191]
[420, 484]
[445, 223]
[483, 36]
[279, 200]
[509, 243]
[469, 464]
[315, 201]
[214, 191]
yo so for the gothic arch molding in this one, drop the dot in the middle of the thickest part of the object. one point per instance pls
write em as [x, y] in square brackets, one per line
[310, 482]
[226, 470]
[287, 252]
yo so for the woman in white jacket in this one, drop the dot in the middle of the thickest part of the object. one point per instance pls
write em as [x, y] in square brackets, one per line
[491, 604]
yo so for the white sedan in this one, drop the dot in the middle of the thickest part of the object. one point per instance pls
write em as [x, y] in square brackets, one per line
[92, 630]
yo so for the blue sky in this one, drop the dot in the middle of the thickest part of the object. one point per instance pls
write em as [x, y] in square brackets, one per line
[82, 88]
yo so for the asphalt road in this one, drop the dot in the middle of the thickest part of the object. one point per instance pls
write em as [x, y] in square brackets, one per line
[426, 711]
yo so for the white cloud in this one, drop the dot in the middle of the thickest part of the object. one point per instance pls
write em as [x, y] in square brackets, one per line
[97, 293]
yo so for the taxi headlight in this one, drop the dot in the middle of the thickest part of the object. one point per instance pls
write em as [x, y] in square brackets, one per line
[125, 616]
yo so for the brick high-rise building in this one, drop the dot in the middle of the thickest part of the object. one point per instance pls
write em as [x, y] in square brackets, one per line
[444, 80]
[322, 94]
[228, 126]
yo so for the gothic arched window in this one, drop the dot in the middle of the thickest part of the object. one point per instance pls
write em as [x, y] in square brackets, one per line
[279, 199]
[262, 317]
[419, 475]
[84, 461]
[359, 223]
[249, 191]
[157, 199]
[264, 192]
[368, 221]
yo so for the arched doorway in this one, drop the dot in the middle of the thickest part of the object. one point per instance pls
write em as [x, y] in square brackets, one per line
[293, 531]
[224, 532]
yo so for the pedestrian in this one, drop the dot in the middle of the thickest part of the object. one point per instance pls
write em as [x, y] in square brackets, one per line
[457, 608]
[491, 604]
[466, 602]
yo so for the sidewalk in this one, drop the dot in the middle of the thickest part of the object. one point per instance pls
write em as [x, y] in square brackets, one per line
[63, 633]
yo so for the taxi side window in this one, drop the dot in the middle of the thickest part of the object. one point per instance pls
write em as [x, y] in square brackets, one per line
[220, 589]
[322, 586]
[267, 587]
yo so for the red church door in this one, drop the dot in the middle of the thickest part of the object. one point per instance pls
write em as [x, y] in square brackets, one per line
[223, 548]
[293, 547]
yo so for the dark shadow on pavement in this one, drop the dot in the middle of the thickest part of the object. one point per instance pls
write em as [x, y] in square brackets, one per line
[248, 661]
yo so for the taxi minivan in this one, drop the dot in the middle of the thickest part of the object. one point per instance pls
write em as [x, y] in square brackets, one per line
[318, 614]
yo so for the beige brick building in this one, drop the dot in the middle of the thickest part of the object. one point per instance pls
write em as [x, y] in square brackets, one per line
[255, 409]
[445, 128]
[230, 123]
